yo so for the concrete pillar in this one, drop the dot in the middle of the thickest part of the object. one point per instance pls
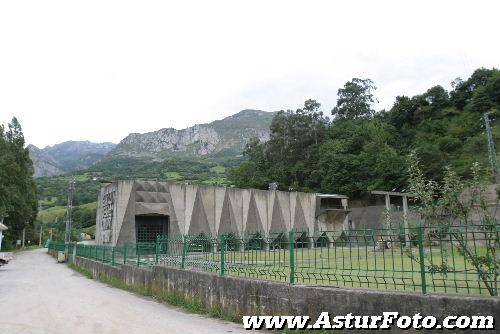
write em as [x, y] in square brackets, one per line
[388, 209]
[345, 224]
[405, 220]
[311, 243]
[387, 202]
[40, 238]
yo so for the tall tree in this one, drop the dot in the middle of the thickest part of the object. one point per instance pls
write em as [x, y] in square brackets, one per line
[287, 157]
[355, 100]
[18, 202]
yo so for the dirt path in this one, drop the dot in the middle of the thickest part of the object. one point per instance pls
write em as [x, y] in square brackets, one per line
[38, 295]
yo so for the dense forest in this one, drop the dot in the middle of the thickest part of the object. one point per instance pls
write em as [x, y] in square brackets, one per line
[355, 149]
[18, 203]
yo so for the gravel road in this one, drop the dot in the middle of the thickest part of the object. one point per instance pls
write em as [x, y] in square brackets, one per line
[38, 295]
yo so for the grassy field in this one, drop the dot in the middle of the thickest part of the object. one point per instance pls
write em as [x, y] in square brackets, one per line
[362, 266]
[395, 269]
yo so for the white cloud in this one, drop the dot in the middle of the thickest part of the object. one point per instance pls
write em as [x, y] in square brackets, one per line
[98, 70]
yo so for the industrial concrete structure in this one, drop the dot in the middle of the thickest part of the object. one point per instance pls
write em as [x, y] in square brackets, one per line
[137, 211]
[2, 228]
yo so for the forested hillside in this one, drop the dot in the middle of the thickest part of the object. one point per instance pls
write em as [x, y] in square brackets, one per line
[353, 149]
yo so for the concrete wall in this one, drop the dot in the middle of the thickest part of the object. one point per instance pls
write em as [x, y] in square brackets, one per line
[243, 296]
[194, 209]
[374, 216]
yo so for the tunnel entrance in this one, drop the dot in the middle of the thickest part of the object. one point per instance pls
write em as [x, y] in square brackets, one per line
[147, 228]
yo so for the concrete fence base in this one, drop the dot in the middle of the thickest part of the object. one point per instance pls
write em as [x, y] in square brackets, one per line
[242, 296]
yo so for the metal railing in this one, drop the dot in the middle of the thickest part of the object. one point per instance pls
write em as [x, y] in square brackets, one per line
[444, 259]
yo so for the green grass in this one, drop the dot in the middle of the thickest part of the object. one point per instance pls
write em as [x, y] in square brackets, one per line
[89, 230]
[48, 201]
[360, 266]
[356, 267]
[85, 272]
[215, 181]
[49, 215]
[173, 176]
[218, 169]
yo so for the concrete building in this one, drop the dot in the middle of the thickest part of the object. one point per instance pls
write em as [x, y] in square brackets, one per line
[137, 211]
[2, 228]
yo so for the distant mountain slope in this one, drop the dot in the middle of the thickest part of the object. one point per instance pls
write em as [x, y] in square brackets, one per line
[44, 164]
[218, 139]
[67, 156]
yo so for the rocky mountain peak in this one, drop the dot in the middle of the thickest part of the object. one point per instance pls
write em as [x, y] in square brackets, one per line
[227, 136]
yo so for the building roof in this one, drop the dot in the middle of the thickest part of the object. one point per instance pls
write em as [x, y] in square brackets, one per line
[392, 193]
[108, 182]
[331, 196]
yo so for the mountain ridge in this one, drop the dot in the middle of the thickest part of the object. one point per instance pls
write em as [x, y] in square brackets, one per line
[218, 140]
[67, 156]
[225, 137]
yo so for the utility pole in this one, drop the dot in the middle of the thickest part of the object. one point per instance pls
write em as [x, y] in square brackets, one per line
[40, 239]
[41, 227]
[491, 148]
[69, 208]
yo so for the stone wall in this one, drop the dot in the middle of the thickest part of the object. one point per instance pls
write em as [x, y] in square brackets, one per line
[242, 296]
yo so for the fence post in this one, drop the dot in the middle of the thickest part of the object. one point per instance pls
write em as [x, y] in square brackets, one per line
[184, 251]
[422, 258]
[137, 253]
[157, 249]
[291, 242]
[75, 250]
[113, 256]
[124, 253]
[222, 254]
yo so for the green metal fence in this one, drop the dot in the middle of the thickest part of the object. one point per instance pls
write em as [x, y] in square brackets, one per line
[444, 259]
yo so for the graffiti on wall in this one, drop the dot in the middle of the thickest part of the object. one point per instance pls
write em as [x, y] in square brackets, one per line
[107, 216]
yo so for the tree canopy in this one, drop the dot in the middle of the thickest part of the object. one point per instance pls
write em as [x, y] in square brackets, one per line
[18, 203]
[355, 100]
[362, 150]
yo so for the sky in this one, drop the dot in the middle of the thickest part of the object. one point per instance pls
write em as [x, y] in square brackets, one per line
[99, 70]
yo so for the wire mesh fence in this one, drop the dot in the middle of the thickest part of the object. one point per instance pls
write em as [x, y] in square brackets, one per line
[444, 259]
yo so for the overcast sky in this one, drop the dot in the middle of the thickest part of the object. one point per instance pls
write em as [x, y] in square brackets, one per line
[98, 70]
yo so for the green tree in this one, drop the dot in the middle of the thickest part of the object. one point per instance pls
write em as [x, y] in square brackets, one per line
[359, 157]
[252, 173]
[289, 156]
[295, 138]
[463, 91]
[446, 208]
[355, 100]
[18, 202]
